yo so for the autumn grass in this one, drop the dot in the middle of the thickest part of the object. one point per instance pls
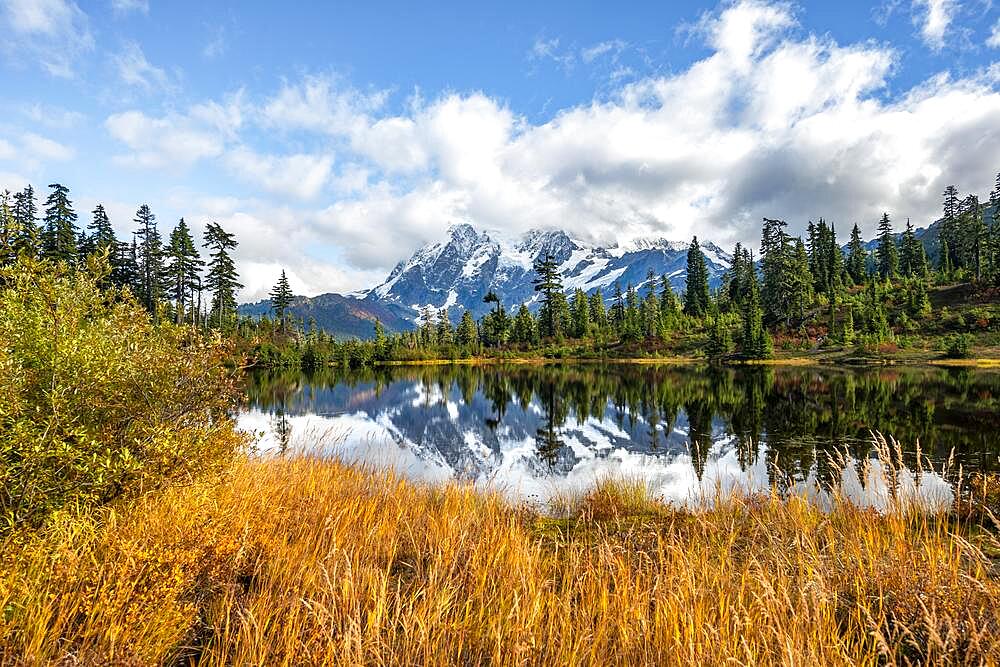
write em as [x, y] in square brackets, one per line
[306, 561]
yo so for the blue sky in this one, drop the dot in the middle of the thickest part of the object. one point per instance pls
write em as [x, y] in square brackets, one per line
[335, 139]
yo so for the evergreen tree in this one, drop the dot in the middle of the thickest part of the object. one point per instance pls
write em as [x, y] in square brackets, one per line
[153, 279]
[618, 310]
[281, 298]
[857, 258]
[184, 270]
[524, 330]
[650, 308]
[445, 334]
[696, 296]
[466, 334]
[59, 236]
[948, 235]
[598, 314]
[670, 305]
[633, 321]
[222, 279]
[886, 255]
[720, 341]
[800, 282]
[754, 340]
[549, 283]
[579, 309]
[102, 235]
[26, 219]
[9, 231]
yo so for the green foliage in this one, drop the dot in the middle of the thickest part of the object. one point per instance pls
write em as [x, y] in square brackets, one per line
[696, 295]
[96, 401]
[958, 346]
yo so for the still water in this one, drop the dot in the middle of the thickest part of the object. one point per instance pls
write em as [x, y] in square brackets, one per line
[688, 431]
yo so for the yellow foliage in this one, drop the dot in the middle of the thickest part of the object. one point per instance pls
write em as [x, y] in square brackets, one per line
[305, 561]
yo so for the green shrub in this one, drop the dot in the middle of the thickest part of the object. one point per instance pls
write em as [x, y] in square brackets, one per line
[958, 346]
[96, 401]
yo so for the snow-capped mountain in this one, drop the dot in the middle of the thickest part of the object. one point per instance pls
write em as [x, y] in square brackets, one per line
[458, 271]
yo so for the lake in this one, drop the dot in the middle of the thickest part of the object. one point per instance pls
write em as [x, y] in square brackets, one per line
[532, 431]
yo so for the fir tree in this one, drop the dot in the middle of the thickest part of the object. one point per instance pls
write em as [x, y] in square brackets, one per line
[696, 296]
[549, 283]
[281, 298]
[184, 269]
[598, 314]
[222, 279]
[579, 309]
[524, 331]
[857, 258]
[9, 231]
[886, 255]
[153, 280]
[754, 341]
[59, 236]
[466, 334]
[26, 220]
[102, 234]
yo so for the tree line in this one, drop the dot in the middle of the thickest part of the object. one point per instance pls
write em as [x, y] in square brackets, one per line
[850, 296]
[168, 276]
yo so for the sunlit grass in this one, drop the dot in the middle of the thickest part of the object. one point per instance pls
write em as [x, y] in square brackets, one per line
[306, 561]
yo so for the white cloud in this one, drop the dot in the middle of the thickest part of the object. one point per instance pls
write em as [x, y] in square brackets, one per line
[600, 49]
[122, 7]
[994, 39]
[317, 104]
[53, 32]
[933, 17]
[36, 147]
[172, 141]
[135, 70]
[7, 151]
[771, 122]
[300, 175]
[52, 116]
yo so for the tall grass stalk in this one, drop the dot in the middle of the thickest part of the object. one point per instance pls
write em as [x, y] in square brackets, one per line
[306, 561]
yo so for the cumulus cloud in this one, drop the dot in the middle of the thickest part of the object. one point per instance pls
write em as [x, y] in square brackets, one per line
[173, 141]
[53, 32]
[933, 17]
[299, 175]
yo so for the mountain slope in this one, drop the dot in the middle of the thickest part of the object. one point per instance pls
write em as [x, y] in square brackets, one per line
[461, 269]
[343, 316]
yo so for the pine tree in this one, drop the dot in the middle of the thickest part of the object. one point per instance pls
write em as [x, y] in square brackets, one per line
[59, 236]
[598, 314]
[153, 281]
[948, 235]
[445, 334]
[650, 308]
[466, 334]
[222, 279]
[524, 330]
[754, 341]
[102, 234]
[9, 231]
[26, 219]
[549, 283]
[633, 322]
[618, 310]
[886, 255]
[183, 270]
[857, 258]
[800, 282]
[579, 309]
[696, 297]
[670, 305]
[281, 298]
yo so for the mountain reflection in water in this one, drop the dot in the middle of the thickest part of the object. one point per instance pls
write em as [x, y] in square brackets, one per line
[688, 432]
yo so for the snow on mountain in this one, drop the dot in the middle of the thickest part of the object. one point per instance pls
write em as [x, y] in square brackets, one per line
[461, 269]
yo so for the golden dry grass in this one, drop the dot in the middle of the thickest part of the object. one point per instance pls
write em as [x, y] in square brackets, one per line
[305, 561]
